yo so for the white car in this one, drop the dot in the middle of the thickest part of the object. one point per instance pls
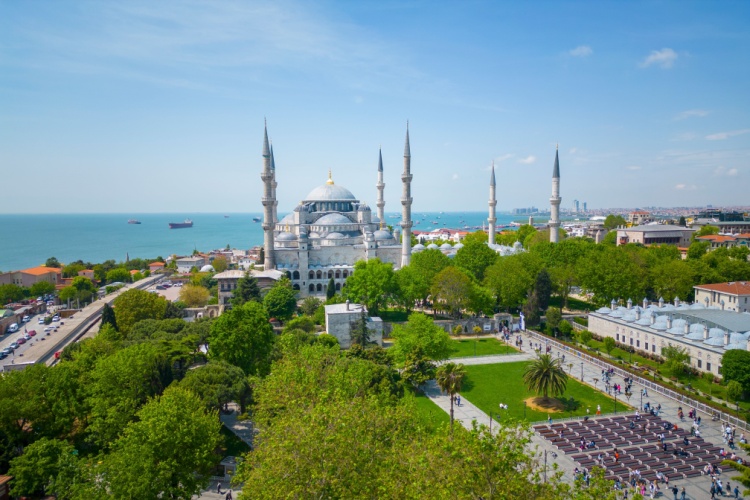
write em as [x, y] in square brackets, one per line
[55, 318]
[48, 329]
[25, 319]
[40, 321]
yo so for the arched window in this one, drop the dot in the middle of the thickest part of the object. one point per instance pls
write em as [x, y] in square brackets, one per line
[295, 275]
[295, 287]
[345, 273]
[311, 275]
[319, 287]
[338, 286]
[318, 275]
[330, 274]
[288, 275]
[338, 273]
[311, 287]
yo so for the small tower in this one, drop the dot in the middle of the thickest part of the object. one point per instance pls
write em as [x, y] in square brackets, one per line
[273, 185]
[381, 186]
[492, 203]
[554, 220]
[406, 204]
[269, 202]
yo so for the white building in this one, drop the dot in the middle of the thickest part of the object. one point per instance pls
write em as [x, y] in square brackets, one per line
[185, 264]
[731, 296]
[655, 234]
[340, 318]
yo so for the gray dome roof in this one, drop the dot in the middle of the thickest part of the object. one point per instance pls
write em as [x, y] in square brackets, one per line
[330, 192]
[432, 246]
[332, 219]
[284, 236]
[458, 246]
[418, 246]
[287, 219]
[208, 268]
[446, 246]
[382, 234]
[335, 236]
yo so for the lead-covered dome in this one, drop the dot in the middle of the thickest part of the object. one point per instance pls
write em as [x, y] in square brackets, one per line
[330, 192]
[332, 219]
[382, 234]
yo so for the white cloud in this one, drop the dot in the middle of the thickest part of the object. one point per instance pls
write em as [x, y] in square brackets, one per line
[581, 51]
[732, 172]
[723, 171]
[685, 187]
[528, 160]
[690, 113]
[633, 167]
[664, 58]
[720, 136]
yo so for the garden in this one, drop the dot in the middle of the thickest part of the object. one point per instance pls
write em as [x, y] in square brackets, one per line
[479, 347]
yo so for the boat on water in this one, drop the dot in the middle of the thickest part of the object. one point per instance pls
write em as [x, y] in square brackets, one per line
[180, 225]
[226, 216]
[133, 221]
[256, 219]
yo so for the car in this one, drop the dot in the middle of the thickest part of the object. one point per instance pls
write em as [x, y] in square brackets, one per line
[7, 351]
[13, 345]
[3, 355]
[55, 318]
[32, 333]
[40, 320]
[26, 336]
[25, 319]
[21, 341]
[48, 329]
[161, 287]
[57, 354]
[13, 328]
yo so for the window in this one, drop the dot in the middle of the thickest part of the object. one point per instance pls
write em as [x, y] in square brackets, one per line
[700, 363]
[618, 337]
[708, 367]
[653, 347]
[638, 343]
[311, 287]
[295, 275]
[319, 287]
[647, 346]
[631, 341]
[311, 275]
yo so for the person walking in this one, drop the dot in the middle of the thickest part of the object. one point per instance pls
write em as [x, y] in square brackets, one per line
[598, 409]
[675, 491]
[683, 494]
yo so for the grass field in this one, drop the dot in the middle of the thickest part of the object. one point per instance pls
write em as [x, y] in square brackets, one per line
[480, 347]
[486, 386]
[430, 413]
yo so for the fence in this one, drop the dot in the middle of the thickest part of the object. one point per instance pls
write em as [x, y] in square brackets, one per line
[648, 384]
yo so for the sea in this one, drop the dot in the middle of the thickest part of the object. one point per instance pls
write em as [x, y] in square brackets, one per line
[28, 240]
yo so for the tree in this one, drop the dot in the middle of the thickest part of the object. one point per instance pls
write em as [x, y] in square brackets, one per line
[217, 384]
[372, 284]
[71, 270]
[612, 222]
[304, 323]
[524, 231]
[247, 290]
[565, 328]
[451, 288]
[545, 375]
[475, 237]
[612, 273]
[698, 249]
[673, 278]
[167, 453]
[194, 295]
[449, 378]
[309, 305]
[609, 344]
[682, 222]
[412, 286]
[531, 310]
[108, 316]
[10, 293]
[52, 262]
[428, 263]
[41, 288]
[360, 334]
[220, 264]
[553, 317]
[677, 359]
[475, 258]
[244, 338]
[42, 468]
[418, 368]
[135, 305]
[420, 333]
[511, 277]
[330, 289]
[735, 365]
[586, 337]
[706, 231]
[281, 300]
[734, 390]
[118, 274]
[543, 288]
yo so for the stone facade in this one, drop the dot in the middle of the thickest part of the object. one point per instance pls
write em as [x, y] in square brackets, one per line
[341, 317]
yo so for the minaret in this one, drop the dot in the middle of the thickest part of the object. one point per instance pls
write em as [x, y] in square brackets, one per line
[406, 204]
[381, 186]
[493, 203]
[274, 184]
[269, 202]
[554, 220]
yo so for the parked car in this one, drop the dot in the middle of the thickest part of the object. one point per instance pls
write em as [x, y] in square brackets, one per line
[32, 333]
[3, 355]
[7, 351]
[55, 318]
[13, 328]
[25, 319]
[41, 320]
[13, 345]
[48, 329]
[21, 341]
[27, 336]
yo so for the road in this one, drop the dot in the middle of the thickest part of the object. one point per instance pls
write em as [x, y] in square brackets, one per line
[42, 347]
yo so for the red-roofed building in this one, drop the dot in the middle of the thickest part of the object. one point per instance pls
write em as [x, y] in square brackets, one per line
[719, 240]
[156, 266]
[638, 217]
[27, 277]
[731, 296]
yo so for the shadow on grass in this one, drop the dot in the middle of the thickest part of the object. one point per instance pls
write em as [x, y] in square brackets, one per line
[570, 404]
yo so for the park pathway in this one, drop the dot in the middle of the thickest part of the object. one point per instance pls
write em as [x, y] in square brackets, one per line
[582, 370]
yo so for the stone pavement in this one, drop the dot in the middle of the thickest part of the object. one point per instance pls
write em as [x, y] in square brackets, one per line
[696, 488]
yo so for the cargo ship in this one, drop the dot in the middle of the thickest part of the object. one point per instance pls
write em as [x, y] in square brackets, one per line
[256, 219]
[133, 221]
[180, 225]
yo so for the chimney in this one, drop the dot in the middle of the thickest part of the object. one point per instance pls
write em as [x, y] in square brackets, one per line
[669, 322]
[748, 344]
[630, 303]
[677, 302]
[687, 327]
[645, 302]
[347, 305]
[705, 332]
[726, 338]
[653, 318]
[637, 314]
[661, 302]
[613, 304]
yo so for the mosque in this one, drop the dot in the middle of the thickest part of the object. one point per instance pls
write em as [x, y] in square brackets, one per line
[330, 229]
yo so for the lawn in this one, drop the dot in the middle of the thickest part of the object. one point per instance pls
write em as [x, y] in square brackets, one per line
[480, 347]
[486, 386]
[430, 413]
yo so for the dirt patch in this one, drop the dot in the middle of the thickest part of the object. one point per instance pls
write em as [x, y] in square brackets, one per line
[549, 405]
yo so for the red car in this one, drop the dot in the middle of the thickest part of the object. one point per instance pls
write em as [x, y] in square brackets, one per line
[32, 332]
[21, 341]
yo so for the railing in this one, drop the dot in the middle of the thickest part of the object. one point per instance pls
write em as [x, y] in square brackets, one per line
[648, 384]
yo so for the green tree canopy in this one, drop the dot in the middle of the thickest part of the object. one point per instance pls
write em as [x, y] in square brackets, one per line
[735, 365]
[41, 288]
[281, 300]
[135, 305]
[194, 295]
[412, 286]
[706, 230]
[543, 288]
[428, 263]
[244, 338]
[475, 257]
[612, 222]
[373, 283]
[247, 290]
[451, 290]
[420, 333]
[217, 384]
[42, 468]
[52, 262]
[10, 293]
[120, 274]
[545, 375]
[511, 277]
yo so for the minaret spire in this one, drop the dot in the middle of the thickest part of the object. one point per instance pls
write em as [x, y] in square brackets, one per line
[406, 204]
[492, 219]
[274, 184]
[554, 220]
[269, 202]
[380, 186]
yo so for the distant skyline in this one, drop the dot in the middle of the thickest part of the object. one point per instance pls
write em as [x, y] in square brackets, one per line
[142, 107]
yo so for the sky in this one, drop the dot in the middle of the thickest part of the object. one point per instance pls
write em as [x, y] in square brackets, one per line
[144, 106]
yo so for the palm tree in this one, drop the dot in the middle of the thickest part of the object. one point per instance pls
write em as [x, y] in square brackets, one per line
[546, 375]
[449, 377]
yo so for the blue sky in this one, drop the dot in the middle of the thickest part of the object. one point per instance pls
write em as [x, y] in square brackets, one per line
[159, 106]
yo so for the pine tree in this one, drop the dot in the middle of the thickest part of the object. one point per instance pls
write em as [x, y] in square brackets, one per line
[108, 316]
[543, 289]
[331, 290]
[247, 290]
[360, 333]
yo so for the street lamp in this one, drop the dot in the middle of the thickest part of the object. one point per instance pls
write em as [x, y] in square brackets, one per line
[737, 404]
[581, 371]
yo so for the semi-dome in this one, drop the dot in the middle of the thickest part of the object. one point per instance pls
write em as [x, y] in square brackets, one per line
[382, 234]
[285, 236]
[335, 236]
[332, 219]
[287, 219]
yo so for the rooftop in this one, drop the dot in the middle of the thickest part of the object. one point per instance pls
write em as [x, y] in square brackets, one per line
[648, 228]
[232, 273]
[40, 270]
[732, 287]
[344, 308]
[717, 238]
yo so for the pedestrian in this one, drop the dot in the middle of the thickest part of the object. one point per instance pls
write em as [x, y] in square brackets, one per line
[218, 487]
[229, 495]
[458, 400]
[598, 409]
[675, 491]
[736, 491]
[682, 494]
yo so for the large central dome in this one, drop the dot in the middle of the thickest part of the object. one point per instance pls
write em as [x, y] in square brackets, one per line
[330, 192]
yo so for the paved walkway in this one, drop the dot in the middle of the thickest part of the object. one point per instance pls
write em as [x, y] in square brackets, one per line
[696, 488]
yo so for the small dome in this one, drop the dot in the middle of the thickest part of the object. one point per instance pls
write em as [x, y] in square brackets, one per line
[335, 236]
[332, 219]
[446, 246]
[458, 246]
[418, 247]
[285, 236]
[382, 234]
[208, 268]
[432, 246]
[715, 341]
[604, 310]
